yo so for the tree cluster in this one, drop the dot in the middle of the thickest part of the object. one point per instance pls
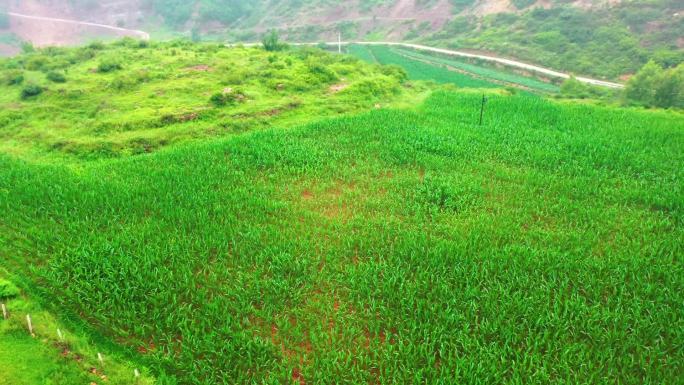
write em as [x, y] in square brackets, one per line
[655, 86]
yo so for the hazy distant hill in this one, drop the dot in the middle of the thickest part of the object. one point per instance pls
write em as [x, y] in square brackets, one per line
[607, 38]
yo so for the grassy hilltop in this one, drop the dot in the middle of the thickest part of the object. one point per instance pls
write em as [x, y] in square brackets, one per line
[128, 98]
[395, 245]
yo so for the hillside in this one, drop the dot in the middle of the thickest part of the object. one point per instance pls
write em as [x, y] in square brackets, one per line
[135, 97]
[406, 244]
[602, 38]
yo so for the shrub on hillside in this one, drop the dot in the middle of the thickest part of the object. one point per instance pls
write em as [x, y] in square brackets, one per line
[30, 91]
[56, 77]
[218, 99]
[395, 71]
[8, 290]
[573, 88]
[13, 77]
[36, 63]
[321, 72]
[271, 42]
[375, 87]
[96, 45]
[108, 66]
[27, 47]
[227, 97]
[129, 81]
[122, 83]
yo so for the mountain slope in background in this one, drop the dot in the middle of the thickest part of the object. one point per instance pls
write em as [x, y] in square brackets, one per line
[607, 38]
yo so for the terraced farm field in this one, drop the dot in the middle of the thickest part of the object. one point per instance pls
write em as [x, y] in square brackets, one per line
[486, 72]
[403, 245]
[429, 66]
[417, 70]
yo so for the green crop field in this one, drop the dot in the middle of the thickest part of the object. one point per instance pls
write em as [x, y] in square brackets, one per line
[428, 66]
[362, 52]
[486, 72]
[417, 70]
[397, 245]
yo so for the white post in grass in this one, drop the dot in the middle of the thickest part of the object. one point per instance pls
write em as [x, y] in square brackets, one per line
[101, 359]
[60, 335]
[136, 373]
[4, 311]
[339, 42]
[30, 324]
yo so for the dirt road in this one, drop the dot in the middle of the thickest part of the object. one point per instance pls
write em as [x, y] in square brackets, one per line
[141, 34]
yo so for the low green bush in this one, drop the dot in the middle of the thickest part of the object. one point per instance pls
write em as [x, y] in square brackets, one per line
[36, 63]
[227, 97]
[56, 77]
[96, 45]
[271, 42]
[322, 73]
[30, 91]
[395, 71]
[8, 289]
[13, 77]
[108, 66]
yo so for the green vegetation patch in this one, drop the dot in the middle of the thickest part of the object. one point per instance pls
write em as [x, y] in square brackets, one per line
[396, 246]
[603, 41]
[7, 290]
[486, 72]
[53, 354]
[417, 70]
[111, 100]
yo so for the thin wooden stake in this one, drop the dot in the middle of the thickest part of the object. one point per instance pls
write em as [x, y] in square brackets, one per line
[484, 100]
[4, 311]
[30, 324]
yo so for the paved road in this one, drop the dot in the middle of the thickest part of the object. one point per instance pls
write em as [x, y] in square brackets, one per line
[508, 62]
[142, 34]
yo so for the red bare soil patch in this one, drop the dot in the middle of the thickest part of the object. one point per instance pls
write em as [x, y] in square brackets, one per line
[335, 88]
[199, 68]
[306, 194]
[298, 377]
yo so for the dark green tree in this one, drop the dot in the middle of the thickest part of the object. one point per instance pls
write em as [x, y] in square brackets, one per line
[669, 92]
[642, 87]
[654, 86]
